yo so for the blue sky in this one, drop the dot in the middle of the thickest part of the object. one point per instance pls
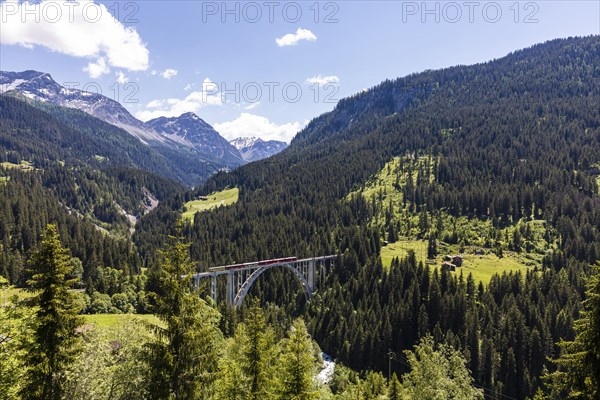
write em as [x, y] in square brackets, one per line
[265, 68]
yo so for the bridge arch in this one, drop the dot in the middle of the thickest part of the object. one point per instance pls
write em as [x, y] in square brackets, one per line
[241, 277]
[247, 285]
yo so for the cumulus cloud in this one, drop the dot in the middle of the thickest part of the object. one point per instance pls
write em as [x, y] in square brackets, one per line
[292, 39]
[82, 29]
[121, 78]
[97, 69]
[255, 125]
[168, 73]
[323, 80]
[208, 95]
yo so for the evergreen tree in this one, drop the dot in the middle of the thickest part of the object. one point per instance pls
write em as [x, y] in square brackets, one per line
[395, 389]
[257, 359]
[55, 342]
[183, 357]
[298, 365]
[578, 376]
[392, 236]
[432, 246]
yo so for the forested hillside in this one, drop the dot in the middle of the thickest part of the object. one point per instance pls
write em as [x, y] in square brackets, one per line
[510, 141]
[62, 166]
[42, 133]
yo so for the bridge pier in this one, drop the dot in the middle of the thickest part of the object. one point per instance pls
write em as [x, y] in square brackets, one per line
[230, 292]
[213, 287]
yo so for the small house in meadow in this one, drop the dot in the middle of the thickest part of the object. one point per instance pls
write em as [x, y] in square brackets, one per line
[456, 260]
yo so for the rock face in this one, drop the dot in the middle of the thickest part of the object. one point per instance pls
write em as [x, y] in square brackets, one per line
[192, 131]
[253, 149]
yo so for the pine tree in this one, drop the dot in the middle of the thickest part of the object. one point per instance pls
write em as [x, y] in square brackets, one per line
[55, 341]
[392, 236]
[395, 390]
[297, 365]
[183, 357]
[257, 362]
[578, 376]
[431, 246]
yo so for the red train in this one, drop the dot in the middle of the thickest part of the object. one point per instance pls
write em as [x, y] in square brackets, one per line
[258, 263]
[277, 261]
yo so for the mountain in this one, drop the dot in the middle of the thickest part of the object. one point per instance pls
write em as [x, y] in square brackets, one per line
[199, 147]
[191, 131]
[41, 87]
[499, 157]
[253, 149]
[50, 132]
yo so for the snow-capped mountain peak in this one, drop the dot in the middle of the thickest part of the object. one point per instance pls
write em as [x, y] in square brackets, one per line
[254, 148]
[244, 142]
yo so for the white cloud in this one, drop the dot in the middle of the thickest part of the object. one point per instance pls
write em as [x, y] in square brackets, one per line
[121, 78]
[154, 104]
[82, 29]
[254, 125]
[189, 86]
[97, 69]
[292, 39]
[193, 102]
[252, 106]
[323, 80]
[168, 73]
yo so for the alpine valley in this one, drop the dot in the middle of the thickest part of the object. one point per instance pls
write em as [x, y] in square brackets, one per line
[462, 204]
